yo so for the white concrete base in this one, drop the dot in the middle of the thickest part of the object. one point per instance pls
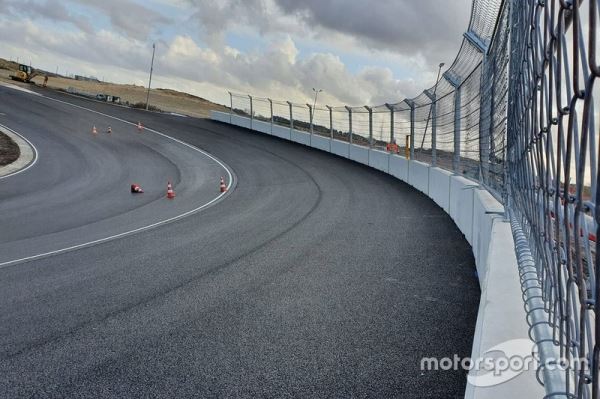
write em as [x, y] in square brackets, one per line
[418, 176]
[439, 187]
[320, 143]
[461, 204]
[379, 160]
[281, 132]
[359, 154]
[498, 320]
[340, 148]
[261, 126]
[399, 167]
[27, 154]
[300, 137]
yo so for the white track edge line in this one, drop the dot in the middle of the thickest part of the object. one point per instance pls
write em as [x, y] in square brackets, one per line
[139, 229]
[35, 154]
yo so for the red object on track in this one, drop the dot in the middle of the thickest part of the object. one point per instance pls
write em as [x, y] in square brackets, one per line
[222, 185]
[170, 192]
[135, 188]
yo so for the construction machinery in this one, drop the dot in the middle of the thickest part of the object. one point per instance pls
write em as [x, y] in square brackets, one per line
[24, 74]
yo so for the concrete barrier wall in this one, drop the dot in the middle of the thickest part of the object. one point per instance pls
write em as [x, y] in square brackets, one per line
[340, 148]
[418, 176]
[320, 142]
[222, 117]
[281, 131]
[478, 216]
[486, 209]
[260, 126]
[301, 137]
[359, 154]
[399, 167]
[439, 187]
[461, 204]
[379, 160]
[240, 121]
[500, 320]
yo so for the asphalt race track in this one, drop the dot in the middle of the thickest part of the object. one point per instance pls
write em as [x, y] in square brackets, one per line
[313, 277]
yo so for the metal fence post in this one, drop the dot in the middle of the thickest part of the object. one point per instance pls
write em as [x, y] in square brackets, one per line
[433, 114]
[482, 47]
[370, 125]
[391, 108]
[271, 106]
[310, 114]
[349, 123]
[456, 83]
[291, 118]
[251, 112]
[330, 126]
[486, 130]
[330, 121]
[457, 121]
[230, 106]
[411, 143]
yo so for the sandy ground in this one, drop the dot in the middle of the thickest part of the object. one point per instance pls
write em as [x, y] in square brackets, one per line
[9, 150]
[166, 100]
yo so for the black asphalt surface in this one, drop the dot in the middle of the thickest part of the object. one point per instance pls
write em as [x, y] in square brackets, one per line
[314, 277]
[79, 189]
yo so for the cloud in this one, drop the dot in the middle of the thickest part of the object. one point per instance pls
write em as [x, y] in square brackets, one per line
[431, 28]
[49, 9]
[271, 65]
[410, 27]
[131, 18]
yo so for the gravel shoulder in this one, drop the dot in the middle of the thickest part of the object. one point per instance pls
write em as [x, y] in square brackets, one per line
[9, 150]
[16, 153]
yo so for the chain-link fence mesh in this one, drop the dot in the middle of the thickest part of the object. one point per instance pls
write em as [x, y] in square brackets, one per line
[515, 112]
[552, 172]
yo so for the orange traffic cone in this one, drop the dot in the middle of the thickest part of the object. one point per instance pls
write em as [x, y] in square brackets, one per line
[140, 127]
[222, 185]
[94, 130]
[170, 192]
[135, 188]
[109, 131]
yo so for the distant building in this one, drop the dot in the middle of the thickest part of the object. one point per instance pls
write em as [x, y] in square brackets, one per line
[86, 78]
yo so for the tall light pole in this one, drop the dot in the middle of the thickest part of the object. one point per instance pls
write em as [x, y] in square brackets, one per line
[151, 69]
[437, 80]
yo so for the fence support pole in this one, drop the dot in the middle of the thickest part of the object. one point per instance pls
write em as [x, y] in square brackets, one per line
[230, 106]
[349, 124]
[391, 108]
[486, 130]
[271, 106]
[251, 112]
[310, 114]
[433, 114]
[411, 143]
[291, 118]
[330, 121]
[455, 82]
[457, 121]
[370, 125]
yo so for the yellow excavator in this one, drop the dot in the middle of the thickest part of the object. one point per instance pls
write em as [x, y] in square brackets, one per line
[24, 74]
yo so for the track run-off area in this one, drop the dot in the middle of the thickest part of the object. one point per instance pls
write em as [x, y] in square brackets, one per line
[313, 276]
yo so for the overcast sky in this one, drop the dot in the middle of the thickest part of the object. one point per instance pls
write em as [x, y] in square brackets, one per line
[358, 52]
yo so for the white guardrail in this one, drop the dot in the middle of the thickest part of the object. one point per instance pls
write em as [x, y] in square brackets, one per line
[480, 217]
